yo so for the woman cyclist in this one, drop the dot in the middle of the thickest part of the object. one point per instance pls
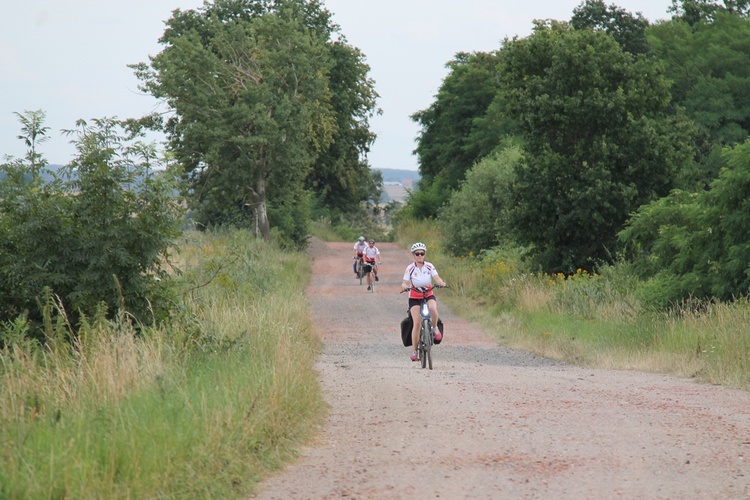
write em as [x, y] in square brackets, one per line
[372, 255]
[417, 275]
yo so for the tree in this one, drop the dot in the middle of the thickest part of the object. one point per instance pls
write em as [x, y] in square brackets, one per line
[476, 217]
[341, 176]
[709, 63]
[276, 107]
[248, 83]
[694, 11]
[445, 146]
[599, 142]
[99, 232]
[627, 29]
[695, 244]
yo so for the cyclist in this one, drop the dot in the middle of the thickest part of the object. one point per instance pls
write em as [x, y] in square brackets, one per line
[417, 275]
[359, 249]
[372, 255]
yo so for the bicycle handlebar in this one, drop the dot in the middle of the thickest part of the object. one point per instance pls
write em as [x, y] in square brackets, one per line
[423, 289]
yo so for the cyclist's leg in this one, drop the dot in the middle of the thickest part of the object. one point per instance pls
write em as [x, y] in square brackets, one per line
[416, 318]
[432, 304]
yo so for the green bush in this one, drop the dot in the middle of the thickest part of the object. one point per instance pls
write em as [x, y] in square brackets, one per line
[475, 217]
[98, 232]
[695, 245]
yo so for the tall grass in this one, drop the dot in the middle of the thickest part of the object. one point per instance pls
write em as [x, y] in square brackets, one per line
[202, 408]
[591, 319]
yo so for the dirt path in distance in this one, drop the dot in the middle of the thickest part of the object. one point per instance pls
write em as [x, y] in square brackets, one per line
[492, 422]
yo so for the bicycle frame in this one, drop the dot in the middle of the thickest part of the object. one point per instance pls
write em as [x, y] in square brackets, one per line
[373, 267]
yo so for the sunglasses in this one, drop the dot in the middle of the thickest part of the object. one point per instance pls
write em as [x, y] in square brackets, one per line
[419, 254]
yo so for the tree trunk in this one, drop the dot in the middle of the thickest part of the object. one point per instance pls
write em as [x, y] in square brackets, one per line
[261, 210]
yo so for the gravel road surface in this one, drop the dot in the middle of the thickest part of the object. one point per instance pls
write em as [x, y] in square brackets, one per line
[492, 422]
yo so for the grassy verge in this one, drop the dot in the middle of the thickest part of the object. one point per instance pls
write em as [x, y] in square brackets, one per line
[591, 320]
[202, 409]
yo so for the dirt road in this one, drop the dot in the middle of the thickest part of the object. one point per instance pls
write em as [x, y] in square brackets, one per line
[491, 422]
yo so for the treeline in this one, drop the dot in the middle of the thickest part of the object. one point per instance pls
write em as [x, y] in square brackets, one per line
[601, 139]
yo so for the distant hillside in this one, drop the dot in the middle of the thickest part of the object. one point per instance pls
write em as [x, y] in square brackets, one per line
[46, 175]
[396, 175]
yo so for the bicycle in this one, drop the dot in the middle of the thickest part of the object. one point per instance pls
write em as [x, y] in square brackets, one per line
[361, 269]
[370, 268]
[426, 337]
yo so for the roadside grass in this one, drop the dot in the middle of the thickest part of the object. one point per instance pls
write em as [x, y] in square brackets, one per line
[591, 320]
[203, 408]
[325, 231]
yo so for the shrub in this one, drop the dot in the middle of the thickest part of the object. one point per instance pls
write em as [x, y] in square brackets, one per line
[475, 218]
[97, 233]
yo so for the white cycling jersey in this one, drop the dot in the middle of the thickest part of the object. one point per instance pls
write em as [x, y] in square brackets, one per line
[420, 277]
[371, 252]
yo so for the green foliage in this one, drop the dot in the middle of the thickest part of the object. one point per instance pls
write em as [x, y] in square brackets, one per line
[449, 140]
[695, 11]
[709, 62]
[265, 104]
[599, 142]
[340, 176]
[257, 109]
[425, 201]
[475, 218]
[627, 29]
[292, 220]
[203, 407]
[695, 245]
[99, 233]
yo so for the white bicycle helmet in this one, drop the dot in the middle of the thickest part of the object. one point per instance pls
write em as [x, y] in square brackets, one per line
[361, 238]
[418, 246]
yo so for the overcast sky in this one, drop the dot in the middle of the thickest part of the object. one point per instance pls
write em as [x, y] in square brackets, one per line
[69, 57]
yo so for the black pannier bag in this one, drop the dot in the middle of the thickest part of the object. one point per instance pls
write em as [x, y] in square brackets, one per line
[406, 326]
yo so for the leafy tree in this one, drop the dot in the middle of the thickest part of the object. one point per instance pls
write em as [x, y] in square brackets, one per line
[341, 176]
[709, 63]
[445, 147]
[695, 244]
[627, 29]
[475, 218]
[599, 141]
[248, 83]
[274, 106]
[97, 233]
[695, 11]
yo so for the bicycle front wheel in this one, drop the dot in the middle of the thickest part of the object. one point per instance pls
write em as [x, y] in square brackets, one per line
[428, 341]
[424, 343]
